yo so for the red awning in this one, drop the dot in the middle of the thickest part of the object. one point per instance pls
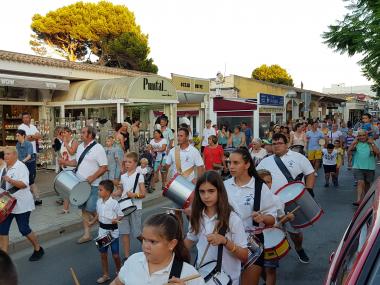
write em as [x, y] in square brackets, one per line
[221, 104]
[191, 113]
[235, 114]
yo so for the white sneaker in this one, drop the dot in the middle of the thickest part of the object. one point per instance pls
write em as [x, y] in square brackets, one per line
[315, 174]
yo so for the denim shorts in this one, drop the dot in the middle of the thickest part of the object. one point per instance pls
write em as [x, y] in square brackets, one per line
[114, 247]
[90, 205]
[271, 263]
[22, 223]
[365, 175]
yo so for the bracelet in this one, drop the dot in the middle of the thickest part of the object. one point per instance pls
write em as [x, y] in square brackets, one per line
[137, 195]
[225, 244]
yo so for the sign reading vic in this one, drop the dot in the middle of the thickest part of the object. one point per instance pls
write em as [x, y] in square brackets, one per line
[154, 86]
[271, 100]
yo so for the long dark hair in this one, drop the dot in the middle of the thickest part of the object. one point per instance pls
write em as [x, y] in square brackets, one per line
[247, 158]
[223, 208]
[170, 228]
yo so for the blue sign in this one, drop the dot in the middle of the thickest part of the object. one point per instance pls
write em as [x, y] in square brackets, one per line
[271, 100]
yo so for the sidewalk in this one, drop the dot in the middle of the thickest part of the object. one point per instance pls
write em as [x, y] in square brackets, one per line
[47, 221]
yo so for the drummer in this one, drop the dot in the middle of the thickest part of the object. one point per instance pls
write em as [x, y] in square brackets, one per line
[300, 169]
[15, 177]
[189, 158]
[92, 167]
[241, 190]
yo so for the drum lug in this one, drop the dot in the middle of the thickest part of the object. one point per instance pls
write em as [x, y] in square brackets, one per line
[332, 255]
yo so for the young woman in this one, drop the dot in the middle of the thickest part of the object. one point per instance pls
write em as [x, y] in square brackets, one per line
[213, 155]
[120, 136]
[210, 212]
[237, 138]
[241, 190]
[298, 137]
[223, 135]
[162, 243]
[159, 145]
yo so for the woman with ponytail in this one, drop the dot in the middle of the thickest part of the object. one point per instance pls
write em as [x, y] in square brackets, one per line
[162, 246]
[242, 189]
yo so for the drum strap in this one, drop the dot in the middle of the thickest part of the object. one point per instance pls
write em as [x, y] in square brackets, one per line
[176, 269]
[177, 157]
[3, 184]
[108, 226]
[86, 150]
[285, 171]
[257, 198]
[218, 267]
[136, 181]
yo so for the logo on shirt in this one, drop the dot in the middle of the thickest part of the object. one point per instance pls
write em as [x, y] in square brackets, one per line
[248, 200]
[291, 163]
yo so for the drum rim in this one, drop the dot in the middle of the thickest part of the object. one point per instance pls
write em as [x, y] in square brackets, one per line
[290, 183]
[285, 240]
[187, 203]
[312, 221]
[133, 206]
[124, 199]
[276, 230]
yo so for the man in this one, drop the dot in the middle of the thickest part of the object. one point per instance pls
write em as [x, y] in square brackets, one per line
[313, 148]
[207, 131]
[364, 163]
[15, 179]
[247, 131]
[92, 167]
[32, 135]
[335, 135]
[167, 132]
[8, 271]
[298, 166]
[189, 158]
[25, 152]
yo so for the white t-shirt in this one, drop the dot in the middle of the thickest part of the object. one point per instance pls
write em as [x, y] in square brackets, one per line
[206, 133]
[242, 198]
[128, 182]
[66, 155]
[295, 162]
[95, 158]
[329, 158]
[189, 157]
[107, 211]
[135, 271]
[30, 131]
[25, 201]
[333, 136]
[231, 265]
[158, 145]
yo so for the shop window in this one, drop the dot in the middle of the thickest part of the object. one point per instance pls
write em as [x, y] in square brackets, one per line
[232, 122]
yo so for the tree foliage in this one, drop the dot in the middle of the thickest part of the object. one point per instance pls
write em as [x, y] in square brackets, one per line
[82, 29]
[273, 73]
[359, 33]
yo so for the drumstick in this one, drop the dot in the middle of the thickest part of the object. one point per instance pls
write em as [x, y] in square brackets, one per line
[265, 209]
[172, 209]
[206, 250]
[188, 278]
[74, 276]
[292, 212]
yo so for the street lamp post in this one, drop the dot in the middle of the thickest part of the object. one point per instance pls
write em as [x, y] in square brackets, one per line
[292, 94]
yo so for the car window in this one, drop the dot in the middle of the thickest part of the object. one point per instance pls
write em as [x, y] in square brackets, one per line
[353, 250]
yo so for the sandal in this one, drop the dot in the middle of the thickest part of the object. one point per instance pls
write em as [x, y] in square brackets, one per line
[84, 240]
[63, 211]
[103, 279]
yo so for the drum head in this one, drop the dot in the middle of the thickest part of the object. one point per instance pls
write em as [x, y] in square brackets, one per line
[290, 192]
[272, 237]
[80, 193]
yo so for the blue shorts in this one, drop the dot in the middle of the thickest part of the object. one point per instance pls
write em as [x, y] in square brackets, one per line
[157, 164]
[114, 247]
[22, 223]
[90, 205]
[32, 167]
[271, 263]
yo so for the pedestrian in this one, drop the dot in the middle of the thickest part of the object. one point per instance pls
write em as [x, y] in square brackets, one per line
[237, 138]
[213, 221]
[339, 160]
[207, 131]
[313, 147]
[329, 158]
[366, 125]
[223, 136]
[134, 135]
[8, 270]
[109, 214]
[286, 132]
[114, 159]
[57, 143]
[159, 145]
[167, 133]
[90, 163]
[213, 155]
[121, 137]
[25, 151]
[32, 135]
[15, 180]
[335, 135]
[247, 131]
[347, 143]
[298, 136]
[257, 151]
[364, 163]
[164, 257]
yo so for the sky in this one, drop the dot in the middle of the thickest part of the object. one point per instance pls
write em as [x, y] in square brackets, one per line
[201, 37]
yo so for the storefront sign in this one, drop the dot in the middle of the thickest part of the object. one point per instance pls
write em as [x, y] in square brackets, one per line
[153, 86]
[33, 82]
[270, 110]
[271, 100]
[189, 84]
[7, 82]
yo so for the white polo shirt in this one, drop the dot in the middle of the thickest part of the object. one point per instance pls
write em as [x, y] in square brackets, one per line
[189, 157]
[242, 198]
[107, 211]
[30, 131]
[128, 181]
[158, 145]
[206, 133]
[135, 271]
[231, 265]
[295, 162]
[25, 201]
[95, 158]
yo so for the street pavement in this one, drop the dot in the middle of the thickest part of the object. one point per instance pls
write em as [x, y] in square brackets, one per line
[320, 240]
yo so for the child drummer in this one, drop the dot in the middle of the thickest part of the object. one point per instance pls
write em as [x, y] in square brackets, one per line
[108, 213]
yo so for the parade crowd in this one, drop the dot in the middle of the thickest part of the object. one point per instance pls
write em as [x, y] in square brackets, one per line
[235, 208]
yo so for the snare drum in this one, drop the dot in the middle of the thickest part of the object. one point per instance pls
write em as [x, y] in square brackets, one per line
[180, 191]
[212, 277]
[104, 240]
[7, 203]
[127, 206]
[276, 245]
[68, 185]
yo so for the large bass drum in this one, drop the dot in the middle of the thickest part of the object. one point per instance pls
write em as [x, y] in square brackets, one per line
[68, 185]
[180, 191]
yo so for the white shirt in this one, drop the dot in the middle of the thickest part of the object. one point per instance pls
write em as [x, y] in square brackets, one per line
[190, 157]
[95, 158]
[143, 171]
[158, 145]
[25, 201]
[128, 182]
[107, 211]
[206, 133]
[135, 271]
[66, 155]
[230, 264]
[242, 198]
[333, 136]
[295, 162]
[329, 158]
[30, 131]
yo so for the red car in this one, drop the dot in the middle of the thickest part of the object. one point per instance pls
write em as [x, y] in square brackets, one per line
[357, 259]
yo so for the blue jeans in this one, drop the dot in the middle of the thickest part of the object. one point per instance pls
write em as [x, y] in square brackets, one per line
[22, 223]
[90, 205]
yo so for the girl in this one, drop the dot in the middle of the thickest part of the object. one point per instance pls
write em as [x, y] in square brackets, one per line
[159, 145]
[162, 244]
[223, 137]
[114, 158]
[298, 137]
[237, 139]
[339, 159]
[211, 212]
[256, 213]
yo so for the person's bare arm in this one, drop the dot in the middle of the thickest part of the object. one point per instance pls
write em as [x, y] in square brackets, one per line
[102, 169]
[310, 180]
[73, 148]
[17, 183]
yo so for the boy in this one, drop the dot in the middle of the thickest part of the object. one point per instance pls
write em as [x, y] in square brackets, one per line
[347, 143]
[367, 126]
[108, 213]
[133, 187]
[329, 156]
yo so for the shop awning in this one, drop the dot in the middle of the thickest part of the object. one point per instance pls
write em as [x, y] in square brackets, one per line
[33, 82]
[190, 98]
[141, 89]
[221, 104]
